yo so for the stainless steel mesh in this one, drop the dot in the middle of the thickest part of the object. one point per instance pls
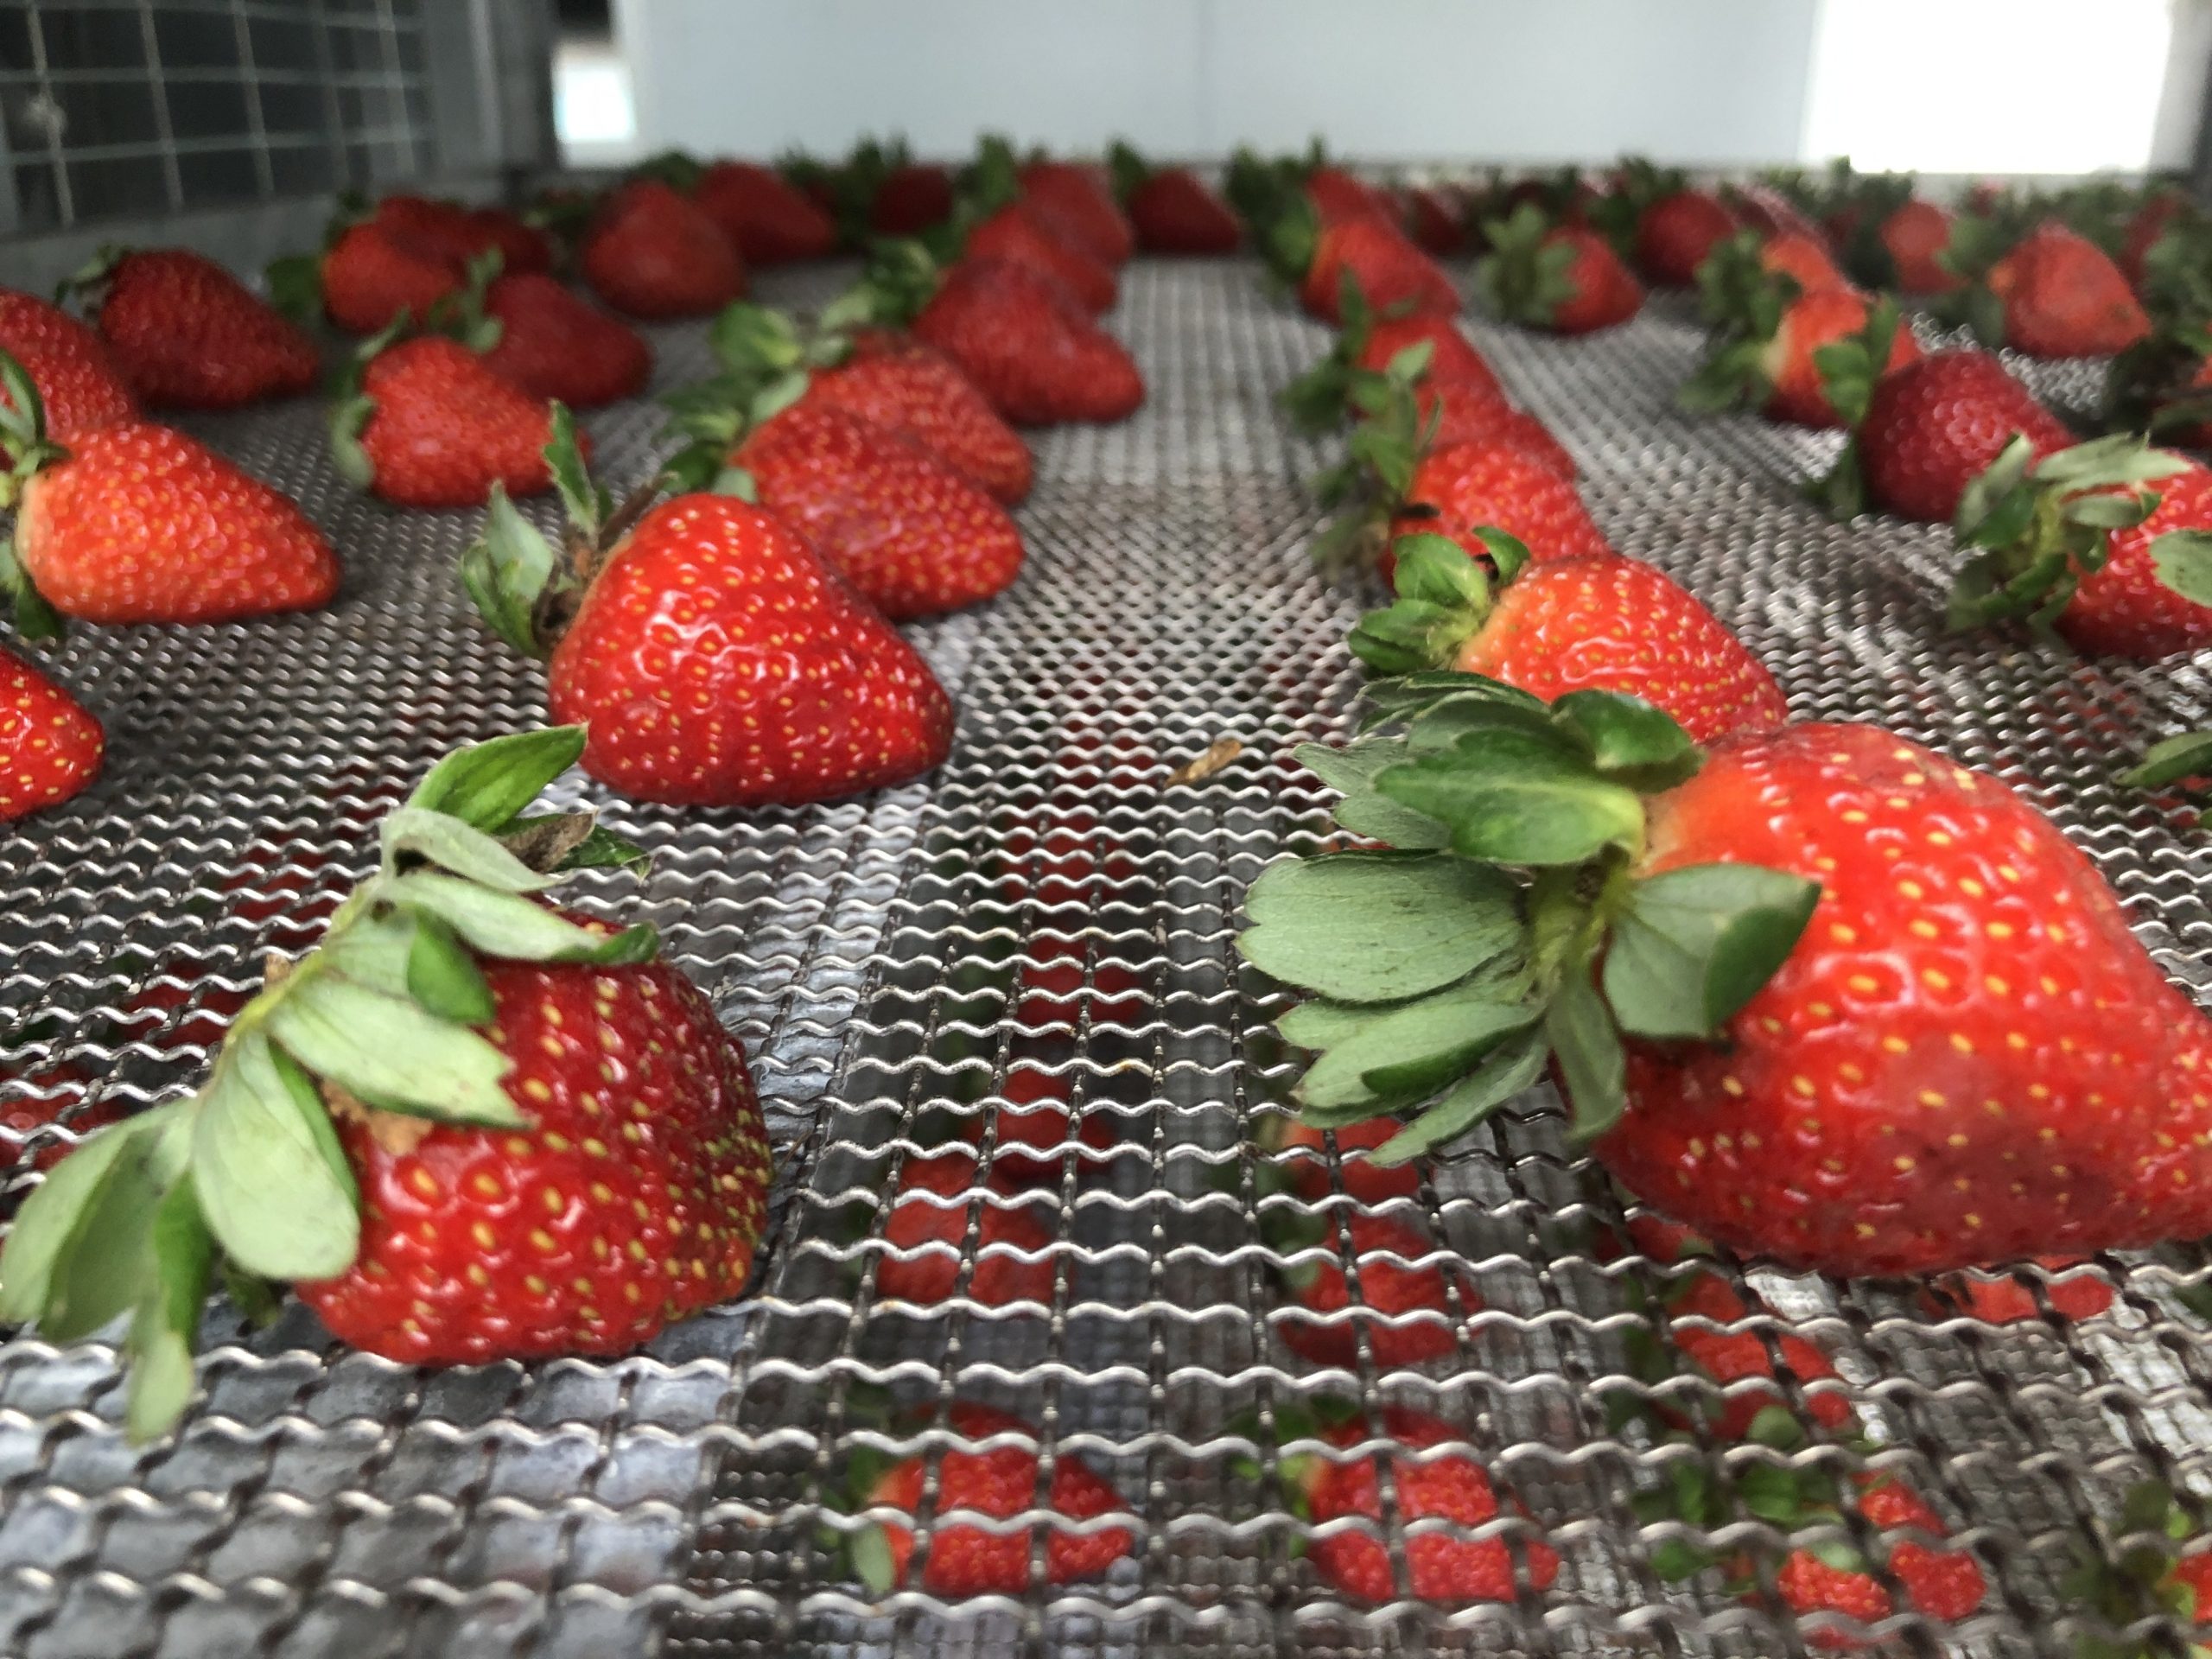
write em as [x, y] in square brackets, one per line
[320, 1501]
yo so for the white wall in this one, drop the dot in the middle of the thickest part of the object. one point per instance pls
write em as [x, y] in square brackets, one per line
[1694, 81]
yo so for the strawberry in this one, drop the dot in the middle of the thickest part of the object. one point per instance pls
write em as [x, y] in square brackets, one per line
[912, 535]
[370, 279]
[1170, 209]
[1925, 431]
[2146, 227]
[1368, 346]
[1944, 1585]
[1768, 211]
[49, 745]
[1397, 277]
[1453, 1487]
[1568, 624]
[785, 686]
[1826, 995]
[136, 523]
[79, 384]
[1432, 218]
[1466, 412]
[1728, 1357]
[770, 220]
[29, 1122]
[1564, 277]
[1915, 235]
[1015, 235]
[522, 246]
[652, 253]
[2008, 1301]
[1074, 205]
[501, 1200]
[1497, 485]
[190, 335]
[425, 423]
[1409, 1311]
[2130, 1579]
[965, 1559]
[912, 198]
[554, 345]
[927, 1225]
[1768, 351]
[444, 232]
[1029, 345]
[1804, 258]
[1036, 1123]
[1298, 1156]
[1339, 197]
[1675, 232]
[2062, 296]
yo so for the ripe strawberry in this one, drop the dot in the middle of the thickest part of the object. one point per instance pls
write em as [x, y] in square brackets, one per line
[965, 1559]
[370, 279]
[1497, 485]
[769, 219]
[1908, 1032]
[1804, 258]
[79, 383]
[1172, 209]
[1074, 205]
[1728, 1357]
[927, 1225]
[1406, 1310]
[1397, 277]
[2125, 607]
[652, 253]
[1422, 348]
[1029, 345]
[1928, 430]
[912, 198]
[136, 523]
[2062, 296]
[1016, 236]
[1771, 213]
[1299, 1156]
[425, 423]
[1944, 1585]
[1036, 1124]
[190, 335]
[1339, 197]
[2008, 1301]
[1768, 353]
[444, 232]
[566, 1154]
[49, 745]
[916, 390]
[1453, 357]
[1466, 412]
[521, 246]
[1453, 1487]
[785, 686]
[554, 345]
[1675, 232]
[1432, 218]
[55, 1102]
[2145, 227]
[1564, 277]
[1596, 620]
[1915, 236]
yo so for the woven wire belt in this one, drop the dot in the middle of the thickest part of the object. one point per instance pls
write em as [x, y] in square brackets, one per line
[322, 1501]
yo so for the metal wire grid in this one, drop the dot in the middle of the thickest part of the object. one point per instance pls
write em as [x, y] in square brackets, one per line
[322, 1501]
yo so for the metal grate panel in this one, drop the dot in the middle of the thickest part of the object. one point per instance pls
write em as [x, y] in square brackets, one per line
[320, 1501]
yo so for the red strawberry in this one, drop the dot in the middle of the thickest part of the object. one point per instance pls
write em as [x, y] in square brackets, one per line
[78, 381]
[1452, 356]
[965, 1559]
[1037, 1124]
[716, 659]
[1804, 258]
[1497, 485]
[1944, 1585]
[1675, 232]
[770, 221]
[928, 1224]
[1073, 203]
[1465, 414]
[913, 536]
[432, 426]
[1453, 1487]
[652, 253]
[1596, 620]
[1424, 348]
[2062, 296]
[918, 392]
[2124, 608]
[522, 246]
[1173, 210]
[2145, 227]
[49, 745]
[1015, 235]
[1029, 345]
[1395, 276]
[1300, 1154]
[1563, 277]
[1930, 429]
[1775, 367]
[1771, 213]
[190, 335]
[581, 1157]
[554, 345]
[370, 279]
[1915, 235]
[444, 232]
[1408, 1311]
[912, 197]
[2008, 1301]
[1432, 218]
[1340, 197]
[55, 1102]
[1732, 1357]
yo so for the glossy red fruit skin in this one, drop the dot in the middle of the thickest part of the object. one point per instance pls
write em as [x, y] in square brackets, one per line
[1500, 486]
[369, 278]
[1304, 1161]
[914, 536]
[142, 524]
[2064, 297]
[636, 1197]
[965, 1560]
[1945, 1584]
[57, 1089]
[772, 222]
[1605, 290]
[1675, 232]
[1803, 257]
[650, 253]
[190, 335]
[1932, 426]
[444, 231]
[1338, 197]
[1470, 412]
[522, 246]
[1605, 623]
[1390, 1293]
[897, 381]
[912, 199]
[1439, 1567]
[50, 746]
[1432, 218]
[79, 381]
[1728, 1357]
[1452, 356]
[2008, 1301]
[1915, 233]
[1390, 270]
[2124, 610]
[931, 1212]
[1074, 204]
[1015, 234]
[553, 344]
[1967, 1058]
[718, 661]
[1820, 317]
[1175, 212]
[1029, 346]
[445, 427]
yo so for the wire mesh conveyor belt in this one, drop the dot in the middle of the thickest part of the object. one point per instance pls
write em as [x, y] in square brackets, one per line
[320, 1501]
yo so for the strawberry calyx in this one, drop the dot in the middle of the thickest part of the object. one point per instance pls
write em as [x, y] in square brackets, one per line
[900, 278]
[1744, 303]
[1327, 1418]
[2170, 760]
[383, 1016]
[1366, 489]
[2140, 1574]
[1444, 598]
[463, 315]
[1336, 387]
[1978, 242]
[2037, 527]
[89, 282]
[23, 439]
[1523, 278]
[1848, 370]
[2157, 384]
[294, 280]
[768, 362]
[1127, 170]
[1447, 969]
